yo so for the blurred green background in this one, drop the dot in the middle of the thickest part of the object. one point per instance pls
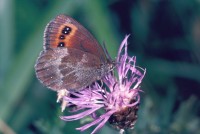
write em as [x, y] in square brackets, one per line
[165, 37]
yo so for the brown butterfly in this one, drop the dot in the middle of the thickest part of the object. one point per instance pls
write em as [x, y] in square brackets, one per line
[71, 58]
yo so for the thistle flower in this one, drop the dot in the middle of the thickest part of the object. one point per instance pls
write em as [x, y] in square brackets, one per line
[120, 100]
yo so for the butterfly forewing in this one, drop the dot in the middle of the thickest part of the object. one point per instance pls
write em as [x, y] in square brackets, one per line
[64, 29]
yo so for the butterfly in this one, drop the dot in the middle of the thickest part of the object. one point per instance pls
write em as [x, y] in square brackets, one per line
[71, 58]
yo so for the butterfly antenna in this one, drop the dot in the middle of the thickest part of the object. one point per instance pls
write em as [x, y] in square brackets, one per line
[106, 51]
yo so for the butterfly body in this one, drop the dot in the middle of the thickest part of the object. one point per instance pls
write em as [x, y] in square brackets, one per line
[72, 59]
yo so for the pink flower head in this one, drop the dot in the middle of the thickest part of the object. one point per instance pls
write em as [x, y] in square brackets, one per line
[120, 100]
